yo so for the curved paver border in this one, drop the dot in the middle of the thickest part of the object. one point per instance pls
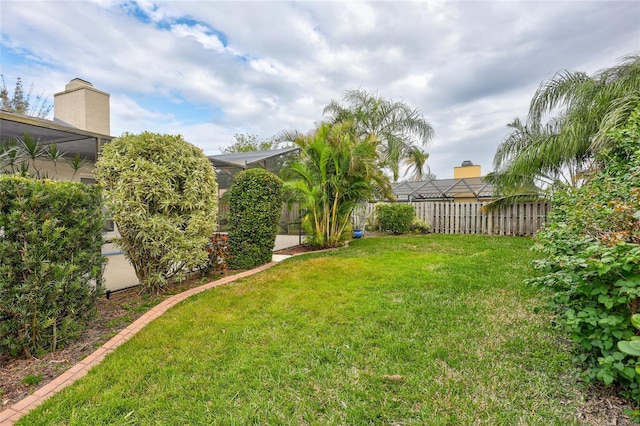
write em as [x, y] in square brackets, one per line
[11, 415]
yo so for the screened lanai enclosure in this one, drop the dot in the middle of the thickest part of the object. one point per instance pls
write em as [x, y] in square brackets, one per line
[462, 189]
[227, 165]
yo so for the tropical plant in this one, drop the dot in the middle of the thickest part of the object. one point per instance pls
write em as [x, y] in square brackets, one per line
[76, 163]
[591, 259]
[537, 157]
[31, 150]
[593, 106]
[255, 205]
[521, 173]
[336, 170]
[161, 191]
[416, 163]
[21, 103]
[397, 128]
[9, 156]
[21, 155]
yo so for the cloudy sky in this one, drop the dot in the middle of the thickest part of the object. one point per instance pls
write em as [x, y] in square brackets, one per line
[211, 69]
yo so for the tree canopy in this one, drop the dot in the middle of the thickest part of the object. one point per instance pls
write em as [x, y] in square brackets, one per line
[570, 120]
[22, 102]
[395, 126]
[248, 142]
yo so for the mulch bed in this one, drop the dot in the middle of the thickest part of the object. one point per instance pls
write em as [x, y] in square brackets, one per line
[601, 406]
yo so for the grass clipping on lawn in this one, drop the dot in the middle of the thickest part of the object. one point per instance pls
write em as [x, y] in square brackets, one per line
[435, 329]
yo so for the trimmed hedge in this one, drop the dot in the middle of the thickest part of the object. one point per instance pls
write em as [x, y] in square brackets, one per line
[162, 193]
[395, 218]
[51, 263]
[255, 205]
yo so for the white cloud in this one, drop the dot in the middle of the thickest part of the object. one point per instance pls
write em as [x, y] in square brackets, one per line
[200, 34]
[212, 69]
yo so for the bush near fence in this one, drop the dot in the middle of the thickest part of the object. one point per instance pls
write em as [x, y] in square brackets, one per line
[522, 219]
[51, 263]
[395, 218]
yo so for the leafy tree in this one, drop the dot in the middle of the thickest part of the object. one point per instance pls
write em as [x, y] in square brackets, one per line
[249, 143]
[561, 151]
[396, 127]
[21, 103]
[336, 170]
[255, 204]
[161, 191]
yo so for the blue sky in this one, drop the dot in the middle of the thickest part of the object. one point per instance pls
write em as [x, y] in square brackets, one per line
[211, 69]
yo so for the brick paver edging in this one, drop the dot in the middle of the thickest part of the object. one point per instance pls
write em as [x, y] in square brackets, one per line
[11, 415]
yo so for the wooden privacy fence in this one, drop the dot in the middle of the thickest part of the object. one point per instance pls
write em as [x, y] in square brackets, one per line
[522, 219]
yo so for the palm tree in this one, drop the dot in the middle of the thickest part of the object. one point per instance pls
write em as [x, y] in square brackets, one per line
[417, 162]
[31, 149]
[591, 106]
[539, 156]
[76, 163]
[396, 127]
[335, 171]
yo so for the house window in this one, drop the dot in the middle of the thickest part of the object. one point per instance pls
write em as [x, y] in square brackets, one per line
[108, 223]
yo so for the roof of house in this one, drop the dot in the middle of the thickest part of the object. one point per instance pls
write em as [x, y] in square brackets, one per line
[442, 189]
[69, 139]
[243, 160]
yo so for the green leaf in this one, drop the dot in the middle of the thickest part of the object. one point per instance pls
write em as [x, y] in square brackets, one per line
[635, 320]
[630, 347]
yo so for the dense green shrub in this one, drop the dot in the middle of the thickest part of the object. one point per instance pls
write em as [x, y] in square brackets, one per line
[419, 226]
[161, 191]
[50, 263]
[395, 218]
[592, 260]
[255, 205]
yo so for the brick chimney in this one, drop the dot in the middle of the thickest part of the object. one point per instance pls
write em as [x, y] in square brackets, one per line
[467, 170]
[83, 106]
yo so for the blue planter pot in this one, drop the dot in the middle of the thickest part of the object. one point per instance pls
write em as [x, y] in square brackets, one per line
[358, 233]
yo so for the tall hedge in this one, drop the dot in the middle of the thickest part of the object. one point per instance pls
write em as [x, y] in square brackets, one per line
[163, 195]
[50, 263]
[254, 214]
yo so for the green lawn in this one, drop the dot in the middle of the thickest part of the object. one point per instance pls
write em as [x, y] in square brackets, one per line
[436, 329]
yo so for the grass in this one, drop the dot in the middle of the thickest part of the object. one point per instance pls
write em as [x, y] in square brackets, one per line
[435, 330]
[32, 379]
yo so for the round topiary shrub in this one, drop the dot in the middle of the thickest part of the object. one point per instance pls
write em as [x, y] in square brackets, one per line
[255, 205]
[163, 195]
